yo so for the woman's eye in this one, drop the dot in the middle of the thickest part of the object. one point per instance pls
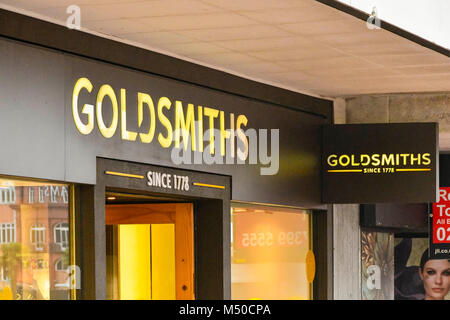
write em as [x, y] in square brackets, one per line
[431, 272]
[446, 273]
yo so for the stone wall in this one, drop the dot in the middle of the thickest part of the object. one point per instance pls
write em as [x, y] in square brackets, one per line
[402, 108]
[346, 255]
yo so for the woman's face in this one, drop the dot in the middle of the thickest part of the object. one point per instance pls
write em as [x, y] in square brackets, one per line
[436, 279]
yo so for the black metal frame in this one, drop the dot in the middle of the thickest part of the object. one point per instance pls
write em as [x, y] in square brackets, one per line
[322, 240]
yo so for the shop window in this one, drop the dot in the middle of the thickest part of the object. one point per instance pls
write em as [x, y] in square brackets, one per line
[29, 212]
[61, 235]
[269, 249]
[37, 236]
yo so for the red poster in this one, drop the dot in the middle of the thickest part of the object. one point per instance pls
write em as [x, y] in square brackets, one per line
[441, 217]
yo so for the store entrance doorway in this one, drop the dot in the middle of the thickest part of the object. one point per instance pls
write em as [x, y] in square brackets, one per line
[150, 251]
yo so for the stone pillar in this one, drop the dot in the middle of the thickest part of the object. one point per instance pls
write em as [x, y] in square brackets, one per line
[346, 234]
[346, 252]
[339, 111]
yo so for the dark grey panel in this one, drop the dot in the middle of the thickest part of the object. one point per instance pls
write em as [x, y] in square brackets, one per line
[32, 111]
[140, 184]
[444, 170]
[323, 254]
[405, 217]
[298, 179]
[212, 246]
[43, 141]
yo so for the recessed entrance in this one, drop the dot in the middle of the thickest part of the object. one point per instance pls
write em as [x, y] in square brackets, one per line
[183, 230]
[149, 250]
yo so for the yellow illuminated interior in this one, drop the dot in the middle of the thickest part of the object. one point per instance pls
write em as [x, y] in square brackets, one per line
[269, 253]
[163, 261]
[146, 261]
[134, 262]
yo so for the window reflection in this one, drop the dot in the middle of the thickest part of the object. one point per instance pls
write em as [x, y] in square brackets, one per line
[269, 247]
[61, 232]
[34, 240]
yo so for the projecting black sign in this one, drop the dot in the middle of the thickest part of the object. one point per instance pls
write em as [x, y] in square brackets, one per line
[375, 163]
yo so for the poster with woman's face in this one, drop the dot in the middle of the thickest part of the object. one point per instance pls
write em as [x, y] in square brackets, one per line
[417, 277]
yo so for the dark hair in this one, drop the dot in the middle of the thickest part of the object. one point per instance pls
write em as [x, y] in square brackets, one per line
[424, 259]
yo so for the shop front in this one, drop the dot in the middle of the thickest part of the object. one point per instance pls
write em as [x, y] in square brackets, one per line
[120, 183]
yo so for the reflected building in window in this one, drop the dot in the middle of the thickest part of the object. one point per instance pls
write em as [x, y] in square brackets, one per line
[34, 239]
